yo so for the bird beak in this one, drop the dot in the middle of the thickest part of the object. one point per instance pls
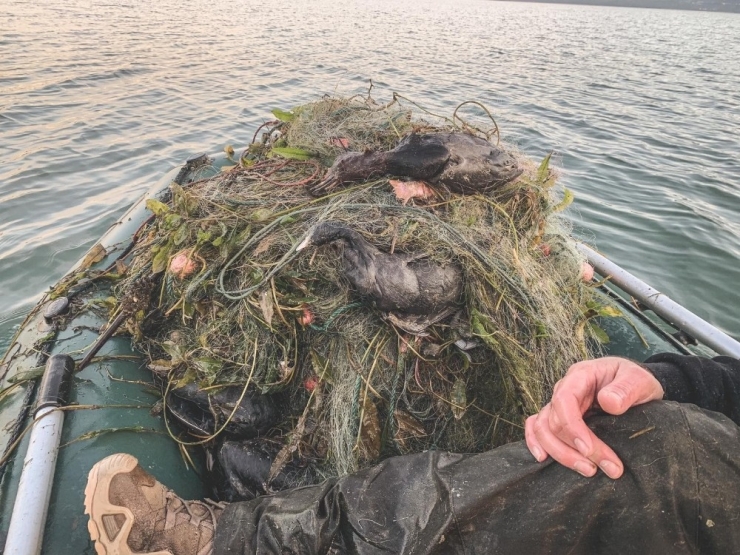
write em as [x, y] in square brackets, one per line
[515, 172]
[306, 242]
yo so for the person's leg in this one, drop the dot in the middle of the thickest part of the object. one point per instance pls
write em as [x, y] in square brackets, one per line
[679, 494]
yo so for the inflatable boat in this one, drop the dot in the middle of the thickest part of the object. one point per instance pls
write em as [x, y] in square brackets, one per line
[72, 392]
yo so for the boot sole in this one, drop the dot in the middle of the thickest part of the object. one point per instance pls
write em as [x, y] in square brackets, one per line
[97, 506]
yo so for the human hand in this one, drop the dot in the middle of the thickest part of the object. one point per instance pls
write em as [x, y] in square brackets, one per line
[612, 384]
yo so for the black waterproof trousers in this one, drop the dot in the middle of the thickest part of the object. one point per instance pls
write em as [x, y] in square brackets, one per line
[680, 493]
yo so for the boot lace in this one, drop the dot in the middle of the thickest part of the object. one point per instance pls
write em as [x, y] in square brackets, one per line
[176, 506]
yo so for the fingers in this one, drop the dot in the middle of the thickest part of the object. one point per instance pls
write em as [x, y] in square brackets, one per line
[615, 384]
[531, 439]
[632, 385]
[540, 439]
[572, 397]
[565, 421]
[559, 429]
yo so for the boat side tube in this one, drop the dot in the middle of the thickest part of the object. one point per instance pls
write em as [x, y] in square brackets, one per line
[668, 309]
[26, 531]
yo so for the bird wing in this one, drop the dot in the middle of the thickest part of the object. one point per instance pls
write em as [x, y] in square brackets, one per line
[418, 157]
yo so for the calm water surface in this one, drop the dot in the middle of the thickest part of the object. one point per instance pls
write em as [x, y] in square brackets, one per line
[642, 107]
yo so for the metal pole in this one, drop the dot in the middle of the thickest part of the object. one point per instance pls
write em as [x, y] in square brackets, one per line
[26, 531]
[662, 305]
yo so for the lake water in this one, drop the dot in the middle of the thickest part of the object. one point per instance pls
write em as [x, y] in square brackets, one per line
[642, 108]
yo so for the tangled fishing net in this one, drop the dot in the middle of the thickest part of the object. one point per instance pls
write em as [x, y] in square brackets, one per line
[218, 295]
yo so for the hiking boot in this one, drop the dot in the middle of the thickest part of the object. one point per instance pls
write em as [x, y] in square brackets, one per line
[131, 513]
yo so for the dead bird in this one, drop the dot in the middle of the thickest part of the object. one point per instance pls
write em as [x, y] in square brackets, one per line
[409, 286]
[203, 413]
[242, 470]
[459, 162]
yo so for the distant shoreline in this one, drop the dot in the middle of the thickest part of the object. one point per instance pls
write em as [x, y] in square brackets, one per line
[726, 6]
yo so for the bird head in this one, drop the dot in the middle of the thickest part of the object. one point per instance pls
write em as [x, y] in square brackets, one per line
[506, 166]
[326, 232]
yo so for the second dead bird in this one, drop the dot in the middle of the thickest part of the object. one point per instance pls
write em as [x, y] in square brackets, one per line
[415, 291]
[458, 162]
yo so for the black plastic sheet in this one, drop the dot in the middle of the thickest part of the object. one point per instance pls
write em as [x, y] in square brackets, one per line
[680, 494]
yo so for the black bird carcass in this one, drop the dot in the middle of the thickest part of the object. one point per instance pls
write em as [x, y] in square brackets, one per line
[415, 291]
[458, 162]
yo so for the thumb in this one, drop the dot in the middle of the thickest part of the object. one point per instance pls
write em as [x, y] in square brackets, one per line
[629, 388]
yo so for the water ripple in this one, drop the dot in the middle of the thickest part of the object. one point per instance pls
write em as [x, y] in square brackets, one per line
[641, 107]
